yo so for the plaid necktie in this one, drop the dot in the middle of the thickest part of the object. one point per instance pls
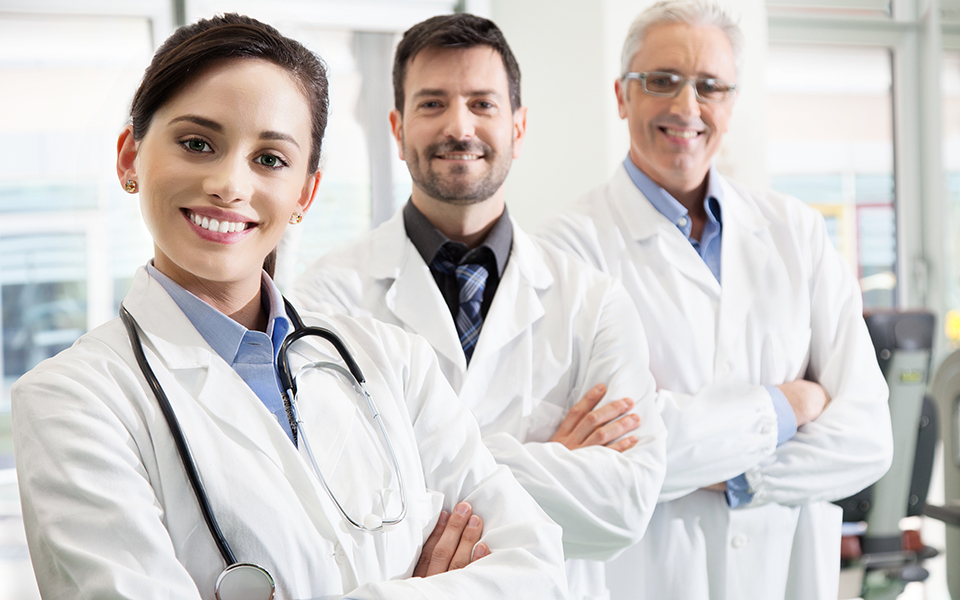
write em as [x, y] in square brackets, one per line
[472, 279]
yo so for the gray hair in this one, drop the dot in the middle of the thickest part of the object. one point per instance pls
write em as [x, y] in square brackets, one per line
[691, 12]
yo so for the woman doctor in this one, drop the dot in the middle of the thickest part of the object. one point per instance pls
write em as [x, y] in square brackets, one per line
[223, 150]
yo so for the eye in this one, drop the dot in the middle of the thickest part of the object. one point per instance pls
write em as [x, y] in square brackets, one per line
[271, 161]
[196, 145]
[484, 105]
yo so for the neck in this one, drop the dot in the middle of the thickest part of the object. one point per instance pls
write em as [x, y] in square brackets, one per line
[239, 300]
[465, 223]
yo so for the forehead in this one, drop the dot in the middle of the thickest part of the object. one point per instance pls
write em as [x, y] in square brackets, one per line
[245, 93]
[457, 70]
[690, 50]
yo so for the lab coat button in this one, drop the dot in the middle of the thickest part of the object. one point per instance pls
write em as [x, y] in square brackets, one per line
[738, 541]
[339, 554]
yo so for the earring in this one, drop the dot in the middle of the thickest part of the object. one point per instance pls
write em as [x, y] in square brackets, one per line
[130, 186]
[296, 217]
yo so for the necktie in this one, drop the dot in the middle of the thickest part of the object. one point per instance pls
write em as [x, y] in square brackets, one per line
[471, 279]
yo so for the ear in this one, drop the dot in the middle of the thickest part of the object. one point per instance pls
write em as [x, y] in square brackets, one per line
[620, 89]
[126, 155]
[396, 126]
[309, 192]
[519, 130]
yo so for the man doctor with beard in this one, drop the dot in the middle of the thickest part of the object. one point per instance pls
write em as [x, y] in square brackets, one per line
[531, 339]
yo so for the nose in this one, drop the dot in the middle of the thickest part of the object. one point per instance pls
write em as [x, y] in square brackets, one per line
[460, 122]
[229, 179]
[685, 103]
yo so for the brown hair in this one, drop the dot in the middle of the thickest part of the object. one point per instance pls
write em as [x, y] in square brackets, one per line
[190, 50]
[453, 31]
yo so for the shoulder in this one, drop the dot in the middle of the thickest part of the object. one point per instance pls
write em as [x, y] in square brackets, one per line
[95, 369]
[341, 276]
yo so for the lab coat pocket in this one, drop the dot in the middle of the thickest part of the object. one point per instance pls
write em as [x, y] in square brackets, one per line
[542, 422]
[785, 355]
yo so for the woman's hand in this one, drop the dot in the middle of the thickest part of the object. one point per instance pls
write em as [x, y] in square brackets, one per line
[451, 545]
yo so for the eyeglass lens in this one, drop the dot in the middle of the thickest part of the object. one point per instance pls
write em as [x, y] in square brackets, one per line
[669, 84]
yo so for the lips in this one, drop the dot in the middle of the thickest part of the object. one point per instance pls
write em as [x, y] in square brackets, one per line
[226, 224]
[683, 134]
[460, 150]
[460, 156]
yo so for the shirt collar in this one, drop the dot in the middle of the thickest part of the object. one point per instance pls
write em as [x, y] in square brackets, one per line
[669, 206]
[427, 239]
[220, 331]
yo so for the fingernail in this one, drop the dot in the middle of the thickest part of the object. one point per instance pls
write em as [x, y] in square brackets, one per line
[444, 517]
[599, 387]
[463, 508]
[480, 551]
[474, 521]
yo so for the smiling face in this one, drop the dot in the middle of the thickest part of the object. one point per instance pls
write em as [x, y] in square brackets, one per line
[221, 169]
[673, 140]
[458, 134]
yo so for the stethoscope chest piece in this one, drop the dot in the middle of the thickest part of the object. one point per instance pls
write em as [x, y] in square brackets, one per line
[245, 581]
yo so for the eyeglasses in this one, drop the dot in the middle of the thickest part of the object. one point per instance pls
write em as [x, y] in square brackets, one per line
[669, 85]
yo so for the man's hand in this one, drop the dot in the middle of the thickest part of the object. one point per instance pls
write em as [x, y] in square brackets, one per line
[584, 426]
[808, 399]
[451, 545]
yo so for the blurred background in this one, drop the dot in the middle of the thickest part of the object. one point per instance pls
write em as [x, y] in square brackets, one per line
[851, 105]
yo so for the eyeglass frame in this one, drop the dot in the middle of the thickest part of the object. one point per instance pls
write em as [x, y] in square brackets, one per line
[641, 76]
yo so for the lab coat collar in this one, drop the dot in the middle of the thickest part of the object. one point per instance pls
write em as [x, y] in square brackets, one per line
[416, 301]
[168, 330]
[516, 305]
[413, 295]
[648, 226]
[207, 380]
[744, 253]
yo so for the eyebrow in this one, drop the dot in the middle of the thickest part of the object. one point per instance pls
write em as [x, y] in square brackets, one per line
[199, 121]
[213, 125]
[444, 93]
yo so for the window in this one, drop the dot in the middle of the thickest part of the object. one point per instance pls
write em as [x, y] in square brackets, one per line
[830, 132]
[70, 239]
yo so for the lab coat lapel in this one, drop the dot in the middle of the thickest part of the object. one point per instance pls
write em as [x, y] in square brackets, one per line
[744, 253]
[202, 378]
[414, 297]
[667, 246]
[516, 305]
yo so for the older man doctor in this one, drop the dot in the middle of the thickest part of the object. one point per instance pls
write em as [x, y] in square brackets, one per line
[739, 292]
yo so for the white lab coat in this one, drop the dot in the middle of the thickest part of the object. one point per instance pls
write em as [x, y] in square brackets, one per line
[555, 328]
[109, 512]
[788, 307]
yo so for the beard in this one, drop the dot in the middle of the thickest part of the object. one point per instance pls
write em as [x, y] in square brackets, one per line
[456, 186]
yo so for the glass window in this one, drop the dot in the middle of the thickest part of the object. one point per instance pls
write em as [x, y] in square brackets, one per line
[830, 132]
[950, 113]
[362, 185]
[846, 8]
[70, 239]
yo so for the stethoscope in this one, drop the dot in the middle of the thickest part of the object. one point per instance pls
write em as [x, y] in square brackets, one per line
[249, 581]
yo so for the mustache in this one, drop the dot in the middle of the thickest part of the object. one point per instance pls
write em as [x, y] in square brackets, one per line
[460, 147]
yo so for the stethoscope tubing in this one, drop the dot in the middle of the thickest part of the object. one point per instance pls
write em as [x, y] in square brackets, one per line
[186, 457]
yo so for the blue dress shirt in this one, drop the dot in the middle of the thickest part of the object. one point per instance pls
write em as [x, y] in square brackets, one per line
[708, 247]
[252, 354]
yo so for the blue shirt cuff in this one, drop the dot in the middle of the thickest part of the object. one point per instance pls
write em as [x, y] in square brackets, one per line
[786, 418]
[738, 491]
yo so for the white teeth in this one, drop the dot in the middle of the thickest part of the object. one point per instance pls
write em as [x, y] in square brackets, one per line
[461, 156]
[215, 225]
[685, 134]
